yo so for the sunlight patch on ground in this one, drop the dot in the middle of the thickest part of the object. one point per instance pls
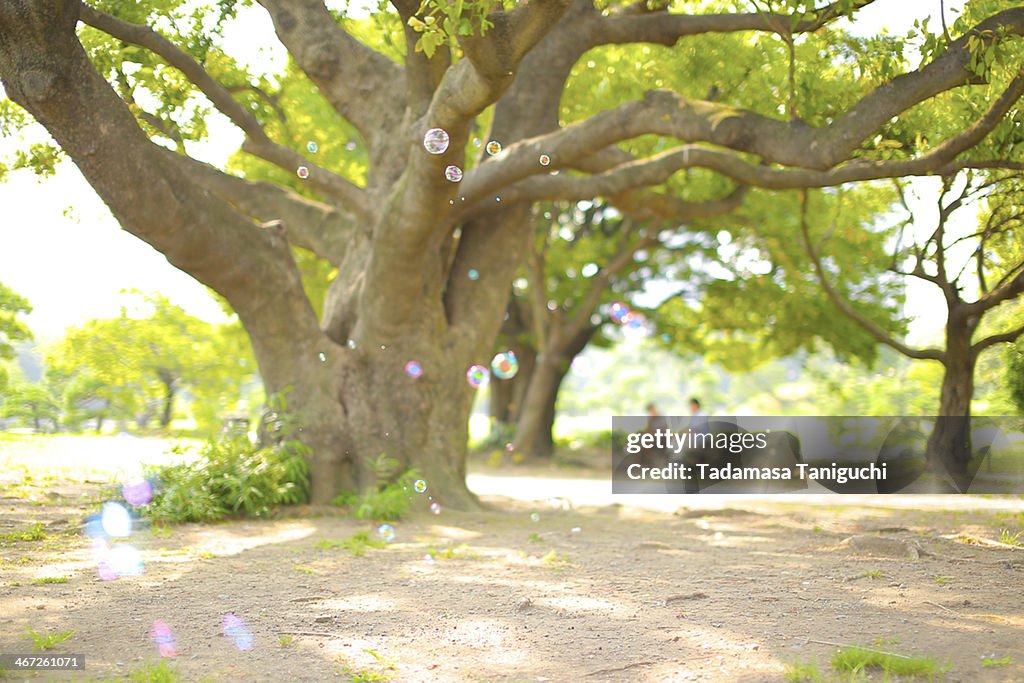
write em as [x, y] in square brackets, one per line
[578, 603]
[361, 603]
[221, 542]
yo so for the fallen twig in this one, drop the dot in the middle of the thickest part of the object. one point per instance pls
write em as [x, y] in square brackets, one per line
[929, 602]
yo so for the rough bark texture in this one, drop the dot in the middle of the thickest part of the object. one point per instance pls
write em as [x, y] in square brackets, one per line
[406, 241]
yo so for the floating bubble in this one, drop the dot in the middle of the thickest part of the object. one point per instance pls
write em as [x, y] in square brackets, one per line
[322, 356]
[351, 343]
[428, 558]
[436, 141]
[137, 492]
[164, 638]
[419, 486]
[493, 147]
[476, 142]
[505, 365]
[435, 507]
[387, 532]
[575, 530]
[312, 147]
[473, 274]
[509, 447]
[351, 145]
[302, 172]
[453, 173]
[534, 516]
[619, 312]
[116, 520]
[414, 369]
[125, 560]
[545, 160]
[236, 629]
[477, 376]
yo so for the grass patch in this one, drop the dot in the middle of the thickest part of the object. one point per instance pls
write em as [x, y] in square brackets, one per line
[993, 663]
[356, 544]
[855, 660]
[160, 672]
[534, 538]
[390, 500]
[453, 552]
[304, 570]
[50, 579]
[942, 579]
[555, 561]
[42, 642]
[386, 673]
[801, 672]
[36, 532]
[1012, 538]
[285, 640]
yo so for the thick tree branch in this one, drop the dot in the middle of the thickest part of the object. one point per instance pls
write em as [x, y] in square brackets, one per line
[666, 28]
[257, 142]
[363, 86]
[312, 225]
[1004, 338]
[1005, 291]
[868, 325]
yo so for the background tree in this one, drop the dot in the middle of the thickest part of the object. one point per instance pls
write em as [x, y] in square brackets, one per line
[140, 363]
[33, 404]
[404, 237]
[977, 270]
[11, 329]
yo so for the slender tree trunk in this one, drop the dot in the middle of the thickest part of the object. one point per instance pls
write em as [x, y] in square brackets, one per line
[949, 446]
[168, 409]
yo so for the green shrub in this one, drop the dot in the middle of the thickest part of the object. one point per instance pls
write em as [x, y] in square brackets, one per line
[389, 501]
[231, 477]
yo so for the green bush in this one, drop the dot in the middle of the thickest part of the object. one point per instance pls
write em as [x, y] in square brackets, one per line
[231, 478]
[389, 501]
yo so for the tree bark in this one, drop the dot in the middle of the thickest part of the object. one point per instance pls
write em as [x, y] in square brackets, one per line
[949, 446]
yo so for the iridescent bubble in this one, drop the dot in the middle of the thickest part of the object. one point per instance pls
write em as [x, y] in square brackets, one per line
[351, 145]
[164, 638]
[435, 507]
[116, 520]
[436, 141]
[619, 311]
[125, 560]
[137, 492]
[428, 558]
[419, 486]
[473, 274]
[387, 532]
[534, 516]
[476, 142]
[477, 376]
[312, 147]
[493, 147]
[236, 629]
[509, 447]
[351, 343]
[322, 356]
[413, 369]
[575, 530]
[545, 160]
[505, 365]
[453, 173]
[302, 172]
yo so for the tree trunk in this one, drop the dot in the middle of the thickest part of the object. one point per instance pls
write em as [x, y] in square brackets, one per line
[949, 446]
[536, 420]
[168, 410]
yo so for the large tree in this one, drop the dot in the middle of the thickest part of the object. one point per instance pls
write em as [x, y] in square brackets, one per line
[112, 79]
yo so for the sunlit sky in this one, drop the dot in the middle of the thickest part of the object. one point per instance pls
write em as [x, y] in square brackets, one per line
[61, 248]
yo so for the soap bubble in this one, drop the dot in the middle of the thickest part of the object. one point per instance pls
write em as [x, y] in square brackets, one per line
[476, 142]
[545, 160]
[473, 274]
[419, 486]
[429, 558]
[477, 376]
[493, 147]
[137, 492]
[619, 312]
[116, 520]
[453, 173]
[504, 365]
[509, 446]
[436, 141]
[534, 516]
[322, 356]
[413, 369]
[435, 507]
[575, 530]
[236, 629]
[164, 638]
[351, 343]
[387, 532]
[302, 172]
[312, 147]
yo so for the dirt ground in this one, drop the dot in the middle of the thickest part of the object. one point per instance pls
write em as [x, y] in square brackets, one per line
[522, 592]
